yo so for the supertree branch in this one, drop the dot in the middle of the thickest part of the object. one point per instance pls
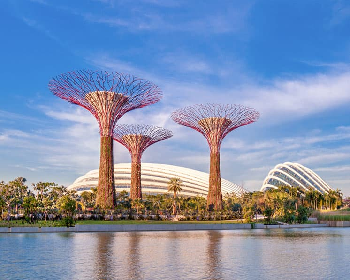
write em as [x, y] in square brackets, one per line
[137, 138]
[108, 96]
[215, 121]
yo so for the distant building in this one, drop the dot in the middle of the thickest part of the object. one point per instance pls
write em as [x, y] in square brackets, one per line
[294, 175]
[154, 180]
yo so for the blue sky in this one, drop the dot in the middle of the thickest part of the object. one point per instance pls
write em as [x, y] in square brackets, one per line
[290, 60]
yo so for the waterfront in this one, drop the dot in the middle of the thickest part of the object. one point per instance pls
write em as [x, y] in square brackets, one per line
[318, 253]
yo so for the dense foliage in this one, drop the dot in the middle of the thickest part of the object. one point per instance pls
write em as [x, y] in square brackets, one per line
[47, 201]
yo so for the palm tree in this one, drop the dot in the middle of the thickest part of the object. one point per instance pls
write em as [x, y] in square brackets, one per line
[137, 204]
[175, 185]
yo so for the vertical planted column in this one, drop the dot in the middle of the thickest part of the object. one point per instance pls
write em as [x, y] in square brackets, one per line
[135, 142]
[135, 185]
[105, 191]
[137, 138]
[214, 128]
[215, 121]
[105, 103]
[108, 96]
[214, 198]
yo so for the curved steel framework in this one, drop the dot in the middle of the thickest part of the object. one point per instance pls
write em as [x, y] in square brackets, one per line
[155, 178]
[137, 138]
[294, 175]
[108, 96]
[215, 121]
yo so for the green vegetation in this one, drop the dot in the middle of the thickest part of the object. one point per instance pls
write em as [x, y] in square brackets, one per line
[339, 215]
[25, 223]
[175, 186]
[146, 222]
[47, 204]
[334, 218]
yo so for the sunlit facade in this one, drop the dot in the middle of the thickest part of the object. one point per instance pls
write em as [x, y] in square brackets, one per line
[294, 175]
[154, 180]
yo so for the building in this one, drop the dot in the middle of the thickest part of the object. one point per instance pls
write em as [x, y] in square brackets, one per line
[154, 180]
[294, 175]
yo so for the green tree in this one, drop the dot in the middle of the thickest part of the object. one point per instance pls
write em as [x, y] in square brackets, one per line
[303, 213]
[88, 198]
[30, 204]
[19, 191]
[268, 213]
[175, 186]
[137, 204]
[67, 205]
[44, 199]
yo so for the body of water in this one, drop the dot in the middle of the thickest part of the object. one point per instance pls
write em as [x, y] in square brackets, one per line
[320, 253]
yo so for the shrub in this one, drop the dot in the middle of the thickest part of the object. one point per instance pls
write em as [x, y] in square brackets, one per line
[268, 213]
[67, 221]
[303, 214]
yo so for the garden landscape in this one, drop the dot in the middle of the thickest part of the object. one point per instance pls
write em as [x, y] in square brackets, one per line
[103, 174]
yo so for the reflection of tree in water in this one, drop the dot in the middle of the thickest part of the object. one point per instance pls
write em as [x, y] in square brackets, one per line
[213, 270]
[134, 269]
[104, 255]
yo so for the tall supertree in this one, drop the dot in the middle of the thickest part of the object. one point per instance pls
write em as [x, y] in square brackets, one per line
[108, 96]
[137, 138]
[215, 121]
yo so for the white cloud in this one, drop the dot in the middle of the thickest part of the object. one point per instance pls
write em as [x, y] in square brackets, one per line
[4, 137]
[146, 16]
[36, 25]
[75, 115]
[296, 98]
[332, 169]
[187, 63]
[106, 62]
[282, 100]
[325, 158]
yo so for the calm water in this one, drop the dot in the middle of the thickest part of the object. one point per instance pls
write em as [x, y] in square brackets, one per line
[239, 254]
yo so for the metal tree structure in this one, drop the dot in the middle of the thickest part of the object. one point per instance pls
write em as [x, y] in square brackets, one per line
[137, 138]
[108, 96]
[215, 121]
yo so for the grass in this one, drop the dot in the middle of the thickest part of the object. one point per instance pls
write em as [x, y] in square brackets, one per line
[335, 215]
[334, 218]
[23, 223]
[335, 212]
[122, 222]
[146, 222]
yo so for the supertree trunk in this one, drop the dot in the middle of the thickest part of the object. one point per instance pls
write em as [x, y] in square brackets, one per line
[108, 96]
[135, 188]
[214, 199]
[215, 121]
[106, 192]
[137, 138]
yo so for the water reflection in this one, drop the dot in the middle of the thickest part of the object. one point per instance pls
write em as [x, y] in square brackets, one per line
[134, 267]
[103, 259]
[240, 254]
[214, 269]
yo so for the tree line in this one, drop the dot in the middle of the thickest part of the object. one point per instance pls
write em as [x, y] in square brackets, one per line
[47, 200]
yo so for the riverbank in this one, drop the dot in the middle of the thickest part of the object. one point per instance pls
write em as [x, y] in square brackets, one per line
[156, 227]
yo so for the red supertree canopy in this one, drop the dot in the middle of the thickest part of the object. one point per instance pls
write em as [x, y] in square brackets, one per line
[107, 95]
[215, 121]
[137, 138]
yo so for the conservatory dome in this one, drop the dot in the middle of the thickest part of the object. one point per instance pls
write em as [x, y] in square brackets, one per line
[294, 175]
[155, 178]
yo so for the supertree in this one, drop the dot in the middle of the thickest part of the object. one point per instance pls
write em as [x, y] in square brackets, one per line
[215, 121]
[137, 138]
[108, 96]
